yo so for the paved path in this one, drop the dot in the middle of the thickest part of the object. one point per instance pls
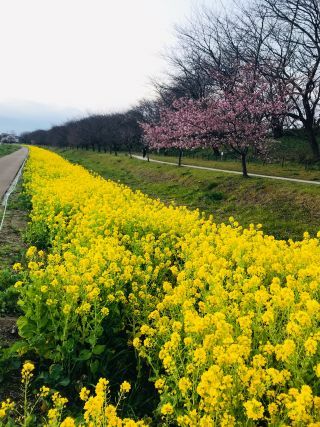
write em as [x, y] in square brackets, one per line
[9, 167]
[280, 178]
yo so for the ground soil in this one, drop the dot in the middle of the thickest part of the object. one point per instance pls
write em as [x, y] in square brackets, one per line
[8, 330]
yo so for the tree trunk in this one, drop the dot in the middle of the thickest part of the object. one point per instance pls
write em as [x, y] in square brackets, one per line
[313, 142]
[277, 127]
[180, 157]
[244, 165]
[216, 151]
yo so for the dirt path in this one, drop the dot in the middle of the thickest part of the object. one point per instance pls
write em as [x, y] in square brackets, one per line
[280, 178]
[9, 167]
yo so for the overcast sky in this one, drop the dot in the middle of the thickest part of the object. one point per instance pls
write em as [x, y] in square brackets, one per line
[66, 58]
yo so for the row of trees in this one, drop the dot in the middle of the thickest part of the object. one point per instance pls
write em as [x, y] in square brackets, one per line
[234, 81]
[101, 132]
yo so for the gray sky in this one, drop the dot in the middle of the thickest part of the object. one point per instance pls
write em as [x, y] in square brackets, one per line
[67, 58]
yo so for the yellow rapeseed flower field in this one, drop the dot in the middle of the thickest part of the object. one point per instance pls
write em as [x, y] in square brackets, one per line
[226, 318]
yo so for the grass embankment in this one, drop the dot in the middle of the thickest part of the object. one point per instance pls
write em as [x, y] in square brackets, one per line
[12, 248]
[285, 209]
[288, 170]
[8, 149]
[290, 157]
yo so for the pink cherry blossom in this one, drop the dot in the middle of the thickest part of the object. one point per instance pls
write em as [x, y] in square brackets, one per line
[236, 116]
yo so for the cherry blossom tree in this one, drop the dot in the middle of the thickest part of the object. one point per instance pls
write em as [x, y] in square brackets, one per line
[179, 127]
[236, 115]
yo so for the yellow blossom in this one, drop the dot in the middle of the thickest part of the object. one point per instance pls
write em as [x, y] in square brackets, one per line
[84, 393]
[167, 409]
[26, 372]
[254, 409]
[125, 387]
[68, 422]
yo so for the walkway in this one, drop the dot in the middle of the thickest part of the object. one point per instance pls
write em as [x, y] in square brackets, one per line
[9, 167]
[280, 178]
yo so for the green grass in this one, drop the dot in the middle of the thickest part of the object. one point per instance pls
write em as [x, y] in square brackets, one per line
[289, 169]
[294, 145]
[8, 149]
[285, 209]
[12, 249]
[289, 157]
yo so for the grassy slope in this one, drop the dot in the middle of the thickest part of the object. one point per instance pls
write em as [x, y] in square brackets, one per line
[286, 210]
[8, 149]
[289, 170]
[292, 150]
[11, 249]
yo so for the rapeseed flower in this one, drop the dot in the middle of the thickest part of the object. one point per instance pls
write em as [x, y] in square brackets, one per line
[226, 317]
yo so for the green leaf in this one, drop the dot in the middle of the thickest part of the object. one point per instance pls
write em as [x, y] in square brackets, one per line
[55, 371]
[25, 327]
[85, 355]
[98, 349]
[65, 382]
[94, 367]
[18, 346]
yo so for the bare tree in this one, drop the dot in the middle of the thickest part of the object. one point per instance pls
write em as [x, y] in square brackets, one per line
[282, 39]
[113, 132]
[295, 47]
